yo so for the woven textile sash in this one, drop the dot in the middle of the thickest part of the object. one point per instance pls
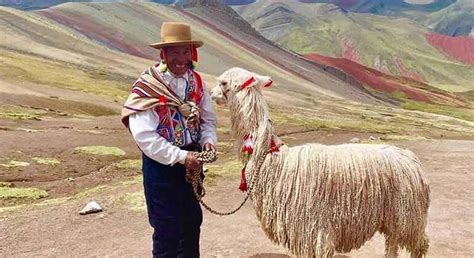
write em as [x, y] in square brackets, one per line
[150, 91]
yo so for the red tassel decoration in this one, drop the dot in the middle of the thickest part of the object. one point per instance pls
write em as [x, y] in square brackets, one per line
[162, 54]
[274, 148]
[162, 99]
[243, 182]
[195, 54]
[268, 84]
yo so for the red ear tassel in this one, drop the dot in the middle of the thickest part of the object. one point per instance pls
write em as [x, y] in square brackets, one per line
[195, 54]
[243, 182]
[162, 55]
[268, 84]
[247, 83]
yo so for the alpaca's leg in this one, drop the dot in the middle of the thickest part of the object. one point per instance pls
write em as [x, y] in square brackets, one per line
[324, 245]
[391, 247]
[420, 248]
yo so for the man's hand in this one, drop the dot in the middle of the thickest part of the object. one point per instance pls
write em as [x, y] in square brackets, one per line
[191, 162]
[209, 146]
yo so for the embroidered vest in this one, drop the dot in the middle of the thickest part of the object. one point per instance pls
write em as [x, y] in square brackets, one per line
[173, 125]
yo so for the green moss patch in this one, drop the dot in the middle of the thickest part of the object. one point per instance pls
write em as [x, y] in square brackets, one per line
[403, 138]
[133, 201]
[231, 167]
[129, 164]
[47, 161]
[28, 130]
[6, 184]
[96, 132]
[100, 150]
[20, 113]
[22, 193]
[135, 180]
[224, 130]
[15, 163]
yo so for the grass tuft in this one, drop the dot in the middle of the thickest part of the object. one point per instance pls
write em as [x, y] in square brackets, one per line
[100, 150]
[22, 193]
[47, 161]
[129, 164]
[15, 163]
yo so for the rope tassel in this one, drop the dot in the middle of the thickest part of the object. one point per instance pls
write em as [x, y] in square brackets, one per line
[243, 182]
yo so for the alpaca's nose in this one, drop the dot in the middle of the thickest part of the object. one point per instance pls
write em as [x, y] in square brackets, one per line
[217, 95]
[214, 92]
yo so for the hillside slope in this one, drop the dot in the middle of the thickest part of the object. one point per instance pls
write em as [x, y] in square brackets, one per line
[92, 52]
[374, 41]
[43, 58]
[123, 30]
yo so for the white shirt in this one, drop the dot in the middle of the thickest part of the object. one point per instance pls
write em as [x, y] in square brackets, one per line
[143, 126]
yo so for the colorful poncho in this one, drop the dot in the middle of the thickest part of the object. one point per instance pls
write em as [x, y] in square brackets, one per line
[151, 91]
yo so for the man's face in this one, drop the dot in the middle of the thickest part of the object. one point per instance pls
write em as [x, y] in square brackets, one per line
[178, 58]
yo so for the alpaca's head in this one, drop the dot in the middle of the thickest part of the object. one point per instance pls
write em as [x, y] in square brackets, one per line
[241, 90]
[237, 82]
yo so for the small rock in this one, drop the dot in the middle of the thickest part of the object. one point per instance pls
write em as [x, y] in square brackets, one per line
[372, 138]
[355, 140]
[91, 207]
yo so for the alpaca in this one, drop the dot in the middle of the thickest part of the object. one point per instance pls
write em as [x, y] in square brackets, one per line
[316, 199]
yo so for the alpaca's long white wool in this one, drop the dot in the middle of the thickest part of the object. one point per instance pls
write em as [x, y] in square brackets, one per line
[316, 199]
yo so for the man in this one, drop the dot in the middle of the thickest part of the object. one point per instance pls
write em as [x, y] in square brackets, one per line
[170, 116]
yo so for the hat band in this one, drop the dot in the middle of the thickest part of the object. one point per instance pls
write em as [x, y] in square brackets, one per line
[172, 38]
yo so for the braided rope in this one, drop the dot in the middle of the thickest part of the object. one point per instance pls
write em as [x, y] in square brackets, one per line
[195, 179]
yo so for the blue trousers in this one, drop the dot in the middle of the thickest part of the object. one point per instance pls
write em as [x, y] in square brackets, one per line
[173, 210]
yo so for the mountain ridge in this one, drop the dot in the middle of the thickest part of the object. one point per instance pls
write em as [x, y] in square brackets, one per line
[111, 35]
[371, 40]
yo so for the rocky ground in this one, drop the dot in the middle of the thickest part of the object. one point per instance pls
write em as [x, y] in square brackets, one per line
[52, 226]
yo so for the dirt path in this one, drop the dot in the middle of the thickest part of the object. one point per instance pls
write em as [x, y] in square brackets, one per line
[54, 228]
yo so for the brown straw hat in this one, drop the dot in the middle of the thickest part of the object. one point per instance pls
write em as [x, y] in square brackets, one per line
[175, 34]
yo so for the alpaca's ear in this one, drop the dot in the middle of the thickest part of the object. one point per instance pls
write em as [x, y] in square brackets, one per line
[264, 81]
[250, 82]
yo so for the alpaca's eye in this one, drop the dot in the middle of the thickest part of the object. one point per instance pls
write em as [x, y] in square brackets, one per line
[224, 83]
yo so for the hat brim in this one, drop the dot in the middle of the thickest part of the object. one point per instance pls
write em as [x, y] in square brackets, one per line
[161, 45]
